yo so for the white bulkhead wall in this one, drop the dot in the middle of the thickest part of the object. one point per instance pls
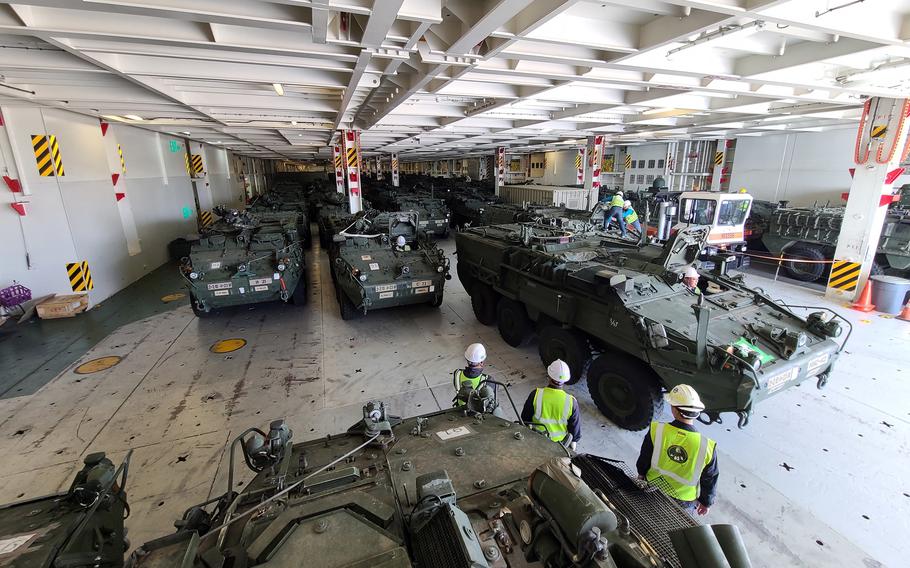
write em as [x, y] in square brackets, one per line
[75, 217]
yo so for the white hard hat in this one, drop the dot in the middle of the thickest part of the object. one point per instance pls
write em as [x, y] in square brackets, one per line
[400, 241]
[684, 397]
[691, 272]
[559, 371]
[619, 192]
[475, 353]
[627, 203]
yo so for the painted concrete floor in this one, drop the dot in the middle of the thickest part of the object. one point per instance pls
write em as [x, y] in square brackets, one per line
[817, 479]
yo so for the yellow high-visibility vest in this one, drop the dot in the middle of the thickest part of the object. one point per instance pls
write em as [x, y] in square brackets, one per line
[552, 408]
[617, 201]
[679, 458]
[474, 382]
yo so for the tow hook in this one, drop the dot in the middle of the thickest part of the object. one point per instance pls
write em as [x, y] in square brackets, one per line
[822, 381]
[743, 419]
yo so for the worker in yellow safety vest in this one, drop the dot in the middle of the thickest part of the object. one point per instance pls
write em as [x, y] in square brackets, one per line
[630, 217]
[690, 279]
[552, 410]
[677, 458]
[613, 208]
[472, 374]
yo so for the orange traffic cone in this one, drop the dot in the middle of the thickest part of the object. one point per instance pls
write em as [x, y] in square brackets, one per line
[865, 299]
[905, 313]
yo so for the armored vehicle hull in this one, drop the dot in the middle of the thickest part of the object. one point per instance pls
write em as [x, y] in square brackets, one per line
[372, 272]
[246, 260]
[621, 315]
[445, 490]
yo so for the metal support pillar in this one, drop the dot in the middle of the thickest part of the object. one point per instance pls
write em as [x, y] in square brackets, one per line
[594, 153]
[395, 169]
[500, 169]
[482, 171]
[338, 160]
[881, 144]
[580, 167]
[352, 166]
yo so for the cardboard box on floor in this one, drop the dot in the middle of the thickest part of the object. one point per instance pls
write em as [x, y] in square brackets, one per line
[63, 306]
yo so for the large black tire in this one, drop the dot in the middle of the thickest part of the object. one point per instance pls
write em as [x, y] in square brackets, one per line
[805, 271]
[464, 276]
[347, 308]
[625, 390]
[515, 327]
[437, 300]
[483, 300]
[301, 295]
[567, 344]
[199, 313]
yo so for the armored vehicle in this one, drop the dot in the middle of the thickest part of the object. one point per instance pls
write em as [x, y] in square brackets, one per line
[622, 315]
[433, 214]
[810, 234]
[334, 216]
[372, 270]
[289, 198]
[244, 259]
[457, 488]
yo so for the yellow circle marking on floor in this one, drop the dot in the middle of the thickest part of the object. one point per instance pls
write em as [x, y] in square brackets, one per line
[173, 297]
[228, 345]
[96, 365]
[886, 316]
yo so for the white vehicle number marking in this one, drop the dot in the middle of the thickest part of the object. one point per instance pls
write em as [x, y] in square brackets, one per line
[366, 257]
[374, 266]
[276, 276]
[432, 288]
[778, 381]
[420, 283]
[453, 433]
[385, 287]
[384, 295]
[421, 290]
[260, 281]
[220, 286]
[222, 292]
[260, 288]
[215, 265]
[819, 361]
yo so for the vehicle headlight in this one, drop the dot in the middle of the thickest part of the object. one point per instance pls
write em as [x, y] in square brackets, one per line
[281, 267]
[439, 269]
[363, 277]
[193, 275]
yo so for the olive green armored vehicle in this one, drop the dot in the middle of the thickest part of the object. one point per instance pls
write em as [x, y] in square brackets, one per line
[381, 260]
[458, 488]
[286, 198]
[433, 214]
[622, 315]
[246, 258]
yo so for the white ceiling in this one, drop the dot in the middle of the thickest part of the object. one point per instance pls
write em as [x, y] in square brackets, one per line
[443, 78]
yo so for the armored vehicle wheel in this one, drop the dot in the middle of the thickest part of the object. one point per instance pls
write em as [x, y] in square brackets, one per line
[348, 309]
[515, 327]
[566, 344]
[624, 390]
[804, 271]
[199, 313]
[437, 301]
[464, 276]
[301, 293]
[483, 300]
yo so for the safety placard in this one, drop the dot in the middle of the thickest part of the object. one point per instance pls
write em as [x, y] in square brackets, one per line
[384, 295]
[844, 275]
[260, 288]
[80, 276]
[456, 432]
[374, 266]
[47, 155]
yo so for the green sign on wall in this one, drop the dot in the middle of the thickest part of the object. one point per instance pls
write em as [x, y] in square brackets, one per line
[187, 212]
[175, 146]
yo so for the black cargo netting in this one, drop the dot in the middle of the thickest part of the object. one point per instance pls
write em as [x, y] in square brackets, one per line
[652, 515]
[438, 544]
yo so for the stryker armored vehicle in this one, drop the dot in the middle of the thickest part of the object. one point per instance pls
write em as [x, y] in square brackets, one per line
[334, 216]
[457, 488]
[245, 259]
[811, 233]
[433, 214]
[372, 271]
[625, 312]
[290, 198]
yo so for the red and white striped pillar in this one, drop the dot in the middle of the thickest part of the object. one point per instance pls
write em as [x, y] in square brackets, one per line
[500, 168]
[395, 169]
[338, 160]
[352, 169]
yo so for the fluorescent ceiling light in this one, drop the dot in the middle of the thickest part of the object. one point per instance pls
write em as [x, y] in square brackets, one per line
[133, 117]
[113, 117]
[278, 89]
[293, 123]
[186, 133]
[657, 110]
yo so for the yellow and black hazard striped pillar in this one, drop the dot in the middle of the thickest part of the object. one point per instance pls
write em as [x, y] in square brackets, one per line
[122, 162]
[580, 166]
[80, 276]
[196, 166]
[844, 275]
[206, 218]
[47, 155]
[395, 170]
[338, 160]
[352, 169]
[186, 164]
